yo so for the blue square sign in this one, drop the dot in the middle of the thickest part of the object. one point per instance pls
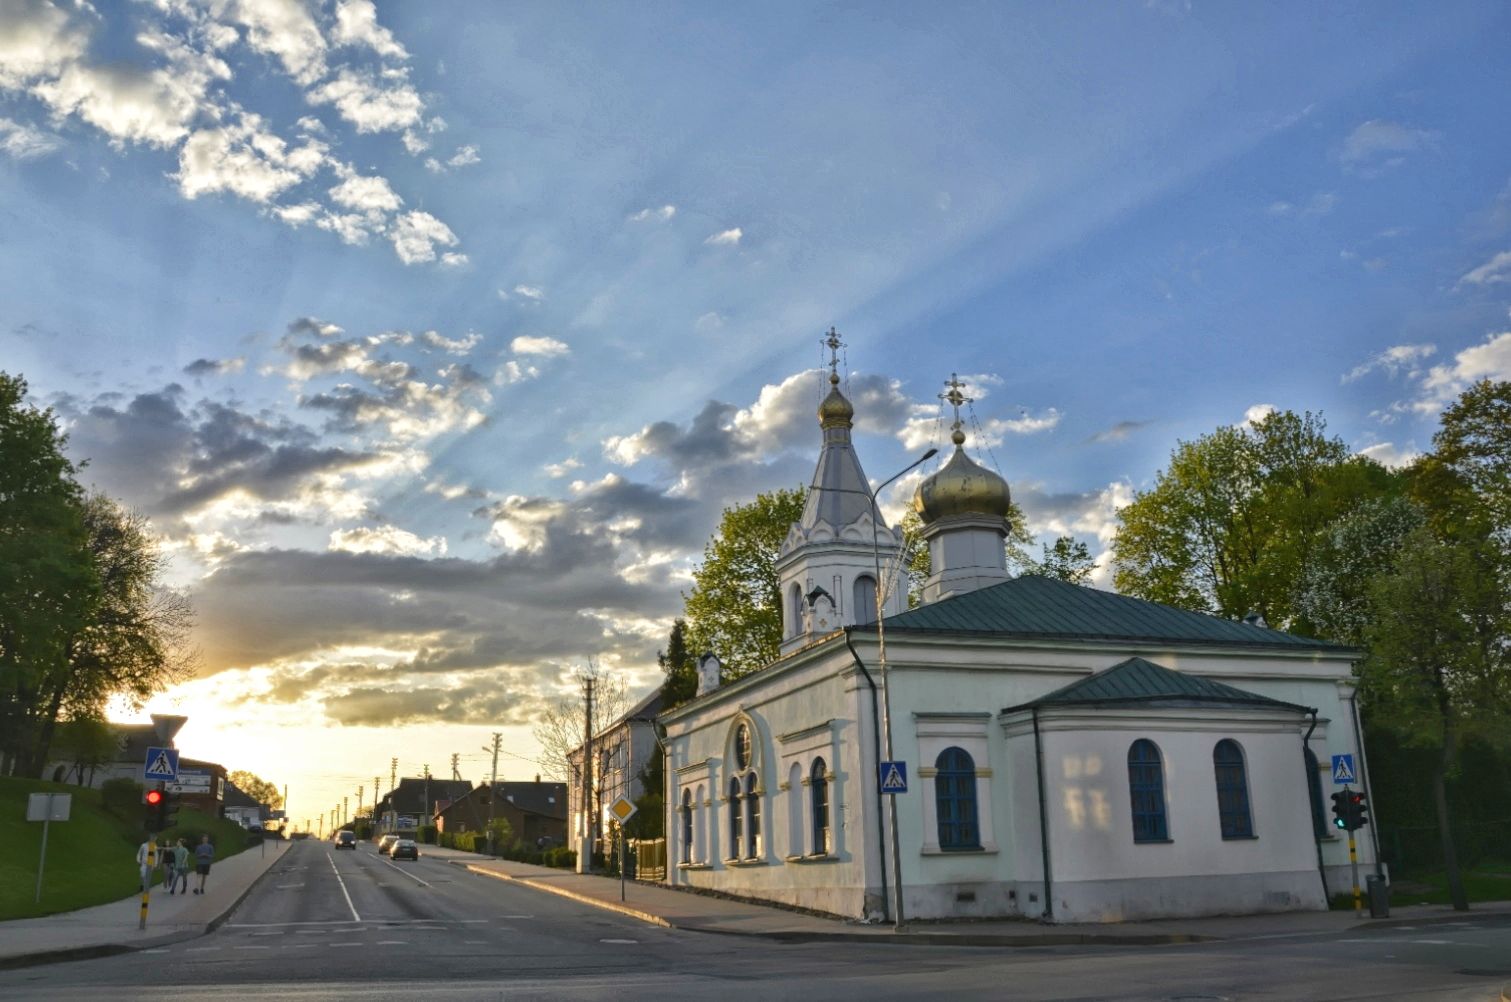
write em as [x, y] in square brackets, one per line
[162, 763]
[1343, 770]
[892, 777]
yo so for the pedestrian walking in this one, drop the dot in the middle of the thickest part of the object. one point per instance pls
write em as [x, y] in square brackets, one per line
[170, 865]
[204, 855]
[143, 865]
[181, 864]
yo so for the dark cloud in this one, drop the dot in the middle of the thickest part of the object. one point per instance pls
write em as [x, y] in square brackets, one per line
[480, 702]
[213, 367]
[1118, 432]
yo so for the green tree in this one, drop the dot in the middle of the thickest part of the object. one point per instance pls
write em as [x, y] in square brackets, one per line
[47, 581]
[1067, 559]
[1436, 669]
[1465, 482]
[1231, 524]
[87, 742]
[1354, 552]
[258, 789]
[735, 606]
[677, 664]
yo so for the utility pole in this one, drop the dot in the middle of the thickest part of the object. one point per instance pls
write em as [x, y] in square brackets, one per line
[359, 802]
[320, 830]
[375, 805]
[344, 816]
[493, 788]
[425, 819]
[585, 852]
[393, 784]
[455, 772]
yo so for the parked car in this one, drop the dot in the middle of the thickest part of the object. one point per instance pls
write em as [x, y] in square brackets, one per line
[386, 843]
[405, 848]
[346, 840]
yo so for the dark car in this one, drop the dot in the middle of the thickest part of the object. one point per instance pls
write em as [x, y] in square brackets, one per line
[405, 849]
[346, 840]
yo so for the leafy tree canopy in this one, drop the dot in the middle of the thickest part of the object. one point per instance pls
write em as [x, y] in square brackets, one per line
[258, 789]
[735, 606]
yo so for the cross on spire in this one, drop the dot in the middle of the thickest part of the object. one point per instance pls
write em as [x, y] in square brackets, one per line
[834, 344]
[955, 398]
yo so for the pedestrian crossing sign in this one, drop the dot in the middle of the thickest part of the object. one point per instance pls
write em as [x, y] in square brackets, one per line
[893, 777]
[162, 763]
[1343, 769]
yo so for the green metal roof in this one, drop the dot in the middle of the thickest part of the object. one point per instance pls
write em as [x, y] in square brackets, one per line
[1038, 607]
[1148, 684]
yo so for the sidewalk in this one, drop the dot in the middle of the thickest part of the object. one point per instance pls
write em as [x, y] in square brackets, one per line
[108, 929]
[676, 909]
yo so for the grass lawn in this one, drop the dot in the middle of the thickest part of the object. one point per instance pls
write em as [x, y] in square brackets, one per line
[91, 858]
[1486, 882]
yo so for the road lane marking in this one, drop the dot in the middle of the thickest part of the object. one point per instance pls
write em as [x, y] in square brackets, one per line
[333, 945]
[203, 949]
[626, 941]
[393, 942]
[285, 887]
[474, 942]
[278, 932]
[1433, 942]
[332, 858]
[251, 947]
[158, 950]
[407, 873]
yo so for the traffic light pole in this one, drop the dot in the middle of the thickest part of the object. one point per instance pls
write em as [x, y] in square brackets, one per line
[1353, 857]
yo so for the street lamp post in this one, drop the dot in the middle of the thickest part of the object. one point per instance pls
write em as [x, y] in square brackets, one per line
[886, 687]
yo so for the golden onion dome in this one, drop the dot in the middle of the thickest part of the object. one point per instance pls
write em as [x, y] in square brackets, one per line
[962, 487]
[835, 411]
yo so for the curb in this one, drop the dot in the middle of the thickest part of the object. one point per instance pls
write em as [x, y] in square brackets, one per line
[885, 939]
[97, 950]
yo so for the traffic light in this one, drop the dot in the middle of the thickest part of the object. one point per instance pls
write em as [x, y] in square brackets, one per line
[154, 800]
[1358, 806]
[168, 811]
[1340, 811]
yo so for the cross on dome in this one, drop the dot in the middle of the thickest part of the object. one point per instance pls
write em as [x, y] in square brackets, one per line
[834, 344]
[956, 399]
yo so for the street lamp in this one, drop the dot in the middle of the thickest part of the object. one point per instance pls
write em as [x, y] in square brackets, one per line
[886, 686]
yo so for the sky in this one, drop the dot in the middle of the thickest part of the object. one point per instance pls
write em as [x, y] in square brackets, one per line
[433, 338]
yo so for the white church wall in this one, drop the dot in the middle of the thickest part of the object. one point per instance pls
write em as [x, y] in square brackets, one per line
[1100, 873]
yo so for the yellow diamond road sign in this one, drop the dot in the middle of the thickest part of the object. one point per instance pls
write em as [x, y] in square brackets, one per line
[622, 809]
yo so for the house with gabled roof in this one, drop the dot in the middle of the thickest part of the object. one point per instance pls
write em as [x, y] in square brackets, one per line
[1012, 747]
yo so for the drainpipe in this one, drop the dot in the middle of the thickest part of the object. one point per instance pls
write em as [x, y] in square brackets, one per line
[1374, 821]
[671, 813]
[1312, 806]
[881, 824]
[1049, 905]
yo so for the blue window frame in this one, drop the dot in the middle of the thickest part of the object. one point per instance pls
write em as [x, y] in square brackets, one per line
[818, 791]
[1146, 792]
[1232, 790]
[687, 826]
[955, 799]
[753, 834]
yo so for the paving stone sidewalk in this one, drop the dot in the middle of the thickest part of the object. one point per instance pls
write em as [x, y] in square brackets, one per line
[112, 928]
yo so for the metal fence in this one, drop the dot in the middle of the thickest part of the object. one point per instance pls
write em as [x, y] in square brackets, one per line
[650, 859]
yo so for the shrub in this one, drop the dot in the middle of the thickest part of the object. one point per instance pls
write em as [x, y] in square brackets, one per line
[427, 834]
[561, 857]
[123, 798]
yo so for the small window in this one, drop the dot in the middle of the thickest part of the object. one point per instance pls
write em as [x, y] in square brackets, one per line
[1146, 789]
[955, 799]
[687, 826]
[1232, 790]
[865, 599]
[742, 747]
[794, 610]
[753, 836]
[818, 793]
[736, 817]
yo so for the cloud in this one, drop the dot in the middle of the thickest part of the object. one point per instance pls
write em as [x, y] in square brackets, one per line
[1393, 360]
[366, 194]
[245, 160]
[514, 372]
[214, 367]
[313, 326]
[1320, 204]
[534, 292]
[1379, 143]
[660, 215]
[22, 142]
[1492, 272]
[1387, 454]
[284, 29]
[1118, 432]
[465, 156]
[357, 24]
[458, 346]
[528, 344]
[417, 234]
[726, 238]
[368, 103]
[1443, 383]
[1256, 414]
[386, 539]
[561, 469]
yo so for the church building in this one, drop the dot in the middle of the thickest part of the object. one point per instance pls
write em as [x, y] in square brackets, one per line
[1052, 751]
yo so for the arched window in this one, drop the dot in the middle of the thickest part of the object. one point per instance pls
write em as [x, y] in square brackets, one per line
[753, 836]
[865, 599]
[687, 826]
[1146, 792]
[1232, 790]
[955, 799]
[736, 817]
[794, 610]
[742, 747]
[818, 795]
[1314, 789]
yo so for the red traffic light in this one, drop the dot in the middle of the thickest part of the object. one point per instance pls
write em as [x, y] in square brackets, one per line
[153, 798]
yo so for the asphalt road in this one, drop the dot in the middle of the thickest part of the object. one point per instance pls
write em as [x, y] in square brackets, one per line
[326, 924]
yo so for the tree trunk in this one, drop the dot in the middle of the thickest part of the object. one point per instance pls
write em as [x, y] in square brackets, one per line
[1450, 857]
